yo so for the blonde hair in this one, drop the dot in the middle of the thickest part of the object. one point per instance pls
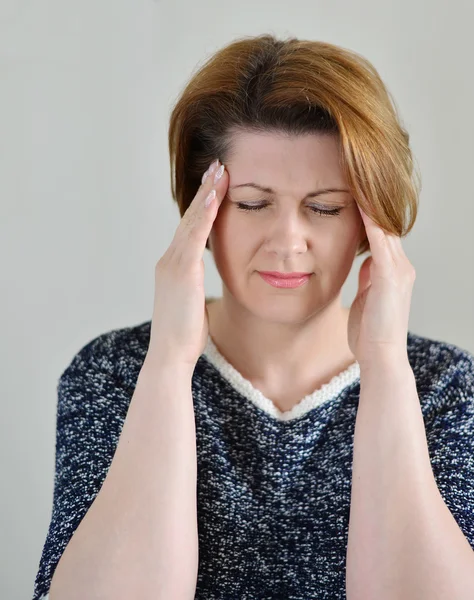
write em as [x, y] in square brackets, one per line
[262, 84]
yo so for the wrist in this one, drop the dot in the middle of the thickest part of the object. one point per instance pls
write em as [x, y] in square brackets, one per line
[163, 366]
[385, 361]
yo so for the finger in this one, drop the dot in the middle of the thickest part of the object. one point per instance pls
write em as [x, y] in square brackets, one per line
[380, 247]
[395, 244]
[195, 226]
[394, 241]
[403, 261]
[199, 211]
[189, 217]
[364, 275]
[195, 206]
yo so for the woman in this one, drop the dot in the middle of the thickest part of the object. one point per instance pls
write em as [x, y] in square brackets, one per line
[330, 449]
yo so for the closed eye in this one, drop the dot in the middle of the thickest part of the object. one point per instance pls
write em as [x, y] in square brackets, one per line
[316, 209]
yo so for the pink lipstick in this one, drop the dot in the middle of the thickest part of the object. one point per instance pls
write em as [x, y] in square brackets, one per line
[284, 280]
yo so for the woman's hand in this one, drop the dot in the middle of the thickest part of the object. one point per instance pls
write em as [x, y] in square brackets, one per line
[378, 319]
[180, 323]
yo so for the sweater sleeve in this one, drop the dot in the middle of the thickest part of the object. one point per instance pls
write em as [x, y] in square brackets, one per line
[91, 407]
[450, 436]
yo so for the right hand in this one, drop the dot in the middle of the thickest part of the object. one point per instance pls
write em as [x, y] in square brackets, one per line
[180, 324]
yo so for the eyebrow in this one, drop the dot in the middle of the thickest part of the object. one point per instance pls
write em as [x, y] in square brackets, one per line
[269, 190]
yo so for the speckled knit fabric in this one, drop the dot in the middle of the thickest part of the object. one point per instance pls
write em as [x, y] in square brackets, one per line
[273, 488]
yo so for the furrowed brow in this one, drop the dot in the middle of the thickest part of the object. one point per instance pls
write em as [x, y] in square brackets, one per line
[268, 190]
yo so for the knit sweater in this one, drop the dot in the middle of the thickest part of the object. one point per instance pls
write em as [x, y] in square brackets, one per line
[273, 488]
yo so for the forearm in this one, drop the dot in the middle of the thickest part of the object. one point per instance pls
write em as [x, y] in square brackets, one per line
[139, 537]
[403, 541]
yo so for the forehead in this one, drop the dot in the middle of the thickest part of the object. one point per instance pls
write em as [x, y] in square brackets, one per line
[312, 158]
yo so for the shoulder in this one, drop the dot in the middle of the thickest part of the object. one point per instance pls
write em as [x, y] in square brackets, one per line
[444, 375]
[444, 372]
[118, 353]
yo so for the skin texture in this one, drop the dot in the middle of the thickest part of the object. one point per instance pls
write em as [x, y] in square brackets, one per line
[287, 342]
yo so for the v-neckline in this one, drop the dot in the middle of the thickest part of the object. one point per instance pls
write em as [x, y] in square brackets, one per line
[323, 394]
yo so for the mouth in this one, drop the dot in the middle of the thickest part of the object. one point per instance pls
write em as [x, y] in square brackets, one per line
[284, 280]
[280, 275]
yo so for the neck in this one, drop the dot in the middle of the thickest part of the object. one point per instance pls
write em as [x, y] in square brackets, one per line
[278, 352]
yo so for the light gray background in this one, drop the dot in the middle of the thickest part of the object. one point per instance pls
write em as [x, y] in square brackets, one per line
[85, 94]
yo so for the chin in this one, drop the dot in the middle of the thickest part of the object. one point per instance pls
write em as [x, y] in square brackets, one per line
[287, 308]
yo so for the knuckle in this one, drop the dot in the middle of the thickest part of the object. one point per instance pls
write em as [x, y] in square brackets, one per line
[161, 264]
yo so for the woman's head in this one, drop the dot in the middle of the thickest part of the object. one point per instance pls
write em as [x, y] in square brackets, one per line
[282, 225]
[294, 116]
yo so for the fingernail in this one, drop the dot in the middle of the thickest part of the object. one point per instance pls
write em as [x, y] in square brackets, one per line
[213, 166]
[219, 173]
[210, 170]
[210, 197]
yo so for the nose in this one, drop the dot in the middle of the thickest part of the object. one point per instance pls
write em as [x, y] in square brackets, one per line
[286, 236]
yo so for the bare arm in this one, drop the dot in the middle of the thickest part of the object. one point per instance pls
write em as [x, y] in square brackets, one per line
[403, 540]
[139, 537]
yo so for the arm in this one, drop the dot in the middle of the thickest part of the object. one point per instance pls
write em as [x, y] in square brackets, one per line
[404, 543]
[124, 519]
[139, 537]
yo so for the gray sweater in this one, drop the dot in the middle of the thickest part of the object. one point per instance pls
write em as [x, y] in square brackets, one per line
[273, 489]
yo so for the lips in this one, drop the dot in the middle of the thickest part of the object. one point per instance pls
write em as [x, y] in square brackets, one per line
[288, 281]
[278, 275]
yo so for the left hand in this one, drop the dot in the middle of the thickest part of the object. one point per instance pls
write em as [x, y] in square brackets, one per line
[378, 318]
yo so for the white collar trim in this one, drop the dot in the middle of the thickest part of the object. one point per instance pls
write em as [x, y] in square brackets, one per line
[326, 392]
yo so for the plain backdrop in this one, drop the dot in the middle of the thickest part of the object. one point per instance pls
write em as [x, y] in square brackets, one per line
[86, 89]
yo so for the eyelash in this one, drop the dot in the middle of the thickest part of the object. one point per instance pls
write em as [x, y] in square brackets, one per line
[322, 212]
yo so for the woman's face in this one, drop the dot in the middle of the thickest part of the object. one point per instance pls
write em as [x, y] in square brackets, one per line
[285, 234]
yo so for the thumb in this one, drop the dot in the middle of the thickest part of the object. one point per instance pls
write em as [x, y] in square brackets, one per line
[364, 285]
[364, 275]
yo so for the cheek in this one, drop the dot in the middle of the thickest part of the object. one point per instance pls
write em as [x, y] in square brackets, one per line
[336, 246]
[355, 234]
[218, 229]
[232, 232]
[226, 243]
